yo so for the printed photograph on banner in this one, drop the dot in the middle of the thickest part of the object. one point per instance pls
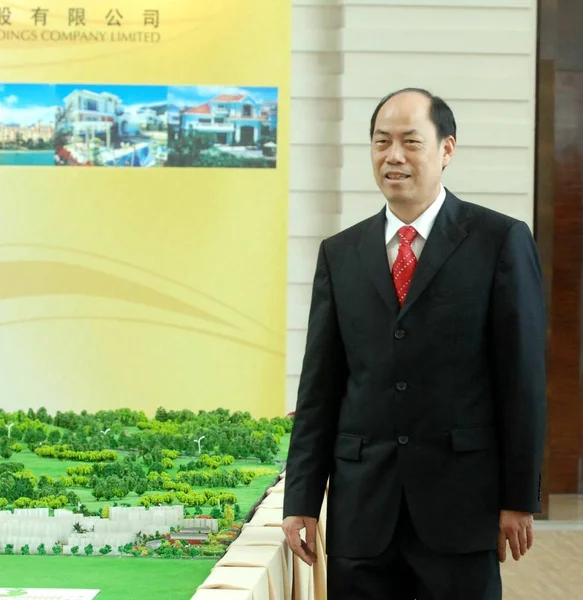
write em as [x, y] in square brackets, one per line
[27, 124]
[111, 125]
[214, 126]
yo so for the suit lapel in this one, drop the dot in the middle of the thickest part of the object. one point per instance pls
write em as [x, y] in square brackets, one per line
[446, 235]
[373, 253]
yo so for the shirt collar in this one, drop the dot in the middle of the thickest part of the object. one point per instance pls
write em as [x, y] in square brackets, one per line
[422, 224]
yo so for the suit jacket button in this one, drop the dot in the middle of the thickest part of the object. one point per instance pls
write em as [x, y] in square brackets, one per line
[399, 334]
[401, 386]
[403, 439]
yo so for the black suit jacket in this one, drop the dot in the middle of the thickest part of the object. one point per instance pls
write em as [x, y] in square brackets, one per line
[443, 399]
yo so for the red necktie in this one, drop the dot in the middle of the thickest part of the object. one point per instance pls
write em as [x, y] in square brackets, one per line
[405, 264]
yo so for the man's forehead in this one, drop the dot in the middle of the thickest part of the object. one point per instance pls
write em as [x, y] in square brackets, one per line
[387, 129]
[399, 124]
[406, 107]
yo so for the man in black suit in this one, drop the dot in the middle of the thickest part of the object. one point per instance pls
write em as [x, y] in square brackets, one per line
[422, 393]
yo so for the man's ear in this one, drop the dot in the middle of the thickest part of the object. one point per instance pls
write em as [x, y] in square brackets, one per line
[448, 145]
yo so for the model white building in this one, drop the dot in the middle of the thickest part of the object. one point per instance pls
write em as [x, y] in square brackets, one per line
[34, 526]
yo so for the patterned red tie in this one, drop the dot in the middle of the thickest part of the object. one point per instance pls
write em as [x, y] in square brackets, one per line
[405, 264]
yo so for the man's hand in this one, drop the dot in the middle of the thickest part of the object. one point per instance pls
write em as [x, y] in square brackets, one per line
[304, 550]
[517, 528]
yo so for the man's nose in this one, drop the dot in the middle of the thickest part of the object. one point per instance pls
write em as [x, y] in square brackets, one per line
[395, 154]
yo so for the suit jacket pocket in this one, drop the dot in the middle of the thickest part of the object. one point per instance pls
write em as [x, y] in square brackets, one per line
[479, 437]
[348, 446]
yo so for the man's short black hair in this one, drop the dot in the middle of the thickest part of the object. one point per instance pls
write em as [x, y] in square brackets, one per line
[441, 113]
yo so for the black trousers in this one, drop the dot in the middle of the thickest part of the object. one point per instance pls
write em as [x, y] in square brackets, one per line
[409, 570]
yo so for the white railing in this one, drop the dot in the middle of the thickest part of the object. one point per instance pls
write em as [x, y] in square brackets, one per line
[260, 563]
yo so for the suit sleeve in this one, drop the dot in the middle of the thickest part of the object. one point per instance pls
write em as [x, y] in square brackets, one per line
[518, 353]
[322, 385]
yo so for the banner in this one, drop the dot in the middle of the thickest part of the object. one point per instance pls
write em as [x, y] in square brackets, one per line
[143, 213]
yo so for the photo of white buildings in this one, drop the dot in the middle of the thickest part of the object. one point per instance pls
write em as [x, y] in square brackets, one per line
[138, 126]
[209, 126]
[113, 126]
[27, 124]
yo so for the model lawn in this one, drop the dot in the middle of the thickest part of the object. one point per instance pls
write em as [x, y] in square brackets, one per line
[82, 468]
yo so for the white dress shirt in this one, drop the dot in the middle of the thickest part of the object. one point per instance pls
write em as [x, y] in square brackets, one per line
[423, 225]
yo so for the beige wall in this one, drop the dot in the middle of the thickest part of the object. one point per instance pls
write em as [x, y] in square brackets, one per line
[479, 55]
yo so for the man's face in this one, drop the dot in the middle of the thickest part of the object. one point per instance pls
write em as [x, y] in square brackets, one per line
[406, 156]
